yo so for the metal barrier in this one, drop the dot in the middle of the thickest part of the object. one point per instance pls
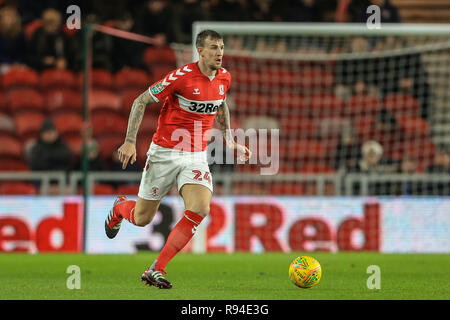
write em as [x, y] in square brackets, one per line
[366, 180]
[44, 177]
[343, 183]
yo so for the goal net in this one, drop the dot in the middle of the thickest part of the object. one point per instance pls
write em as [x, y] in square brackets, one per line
[360, 112]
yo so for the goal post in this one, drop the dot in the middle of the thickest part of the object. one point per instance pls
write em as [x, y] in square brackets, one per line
[370, 107]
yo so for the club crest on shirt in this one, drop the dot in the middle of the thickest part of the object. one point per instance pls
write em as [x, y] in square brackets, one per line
[221, 90]
[157, 88]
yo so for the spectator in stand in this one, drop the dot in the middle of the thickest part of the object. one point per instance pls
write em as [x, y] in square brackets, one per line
[96, 163]
[374, 163]
[229, 10]
[50, 153]
[298, 10]
[441, 163]
[441, 166]
[348, 151]
[358, 75]
[413, 80]
[126, 53]
[389, 12]
[371, 160]
[105, 10]
[153, 21]
[260, 10]
[12, 40]
[408, 166]
[357, 11]
[50, 47]
[184, 14]
[31, 10]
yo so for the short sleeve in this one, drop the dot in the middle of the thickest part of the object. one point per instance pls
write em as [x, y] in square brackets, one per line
[165, 87]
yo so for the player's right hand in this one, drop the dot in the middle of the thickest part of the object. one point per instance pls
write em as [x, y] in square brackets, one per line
[126, 151]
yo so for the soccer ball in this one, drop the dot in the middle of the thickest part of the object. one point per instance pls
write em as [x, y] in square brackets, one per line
[305, 272]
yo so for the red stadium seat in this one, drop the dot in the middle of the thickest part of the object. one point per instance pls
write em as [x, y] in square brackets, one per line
[57, 78]
[128, 189]
[3, 103]
[13, 165]
[10, 148]
[62, 100]
[109, 143]
[283, 104]
[25, 100]
[324, 105]
[276, 78]
[414, 126]
[100, 79]
[28, 124]
[103, 189]
[68, 123]
[243, 77]
[159, 55]
[108, 123]
[20, 77]
[315, 79]
[402, 104]
[421, 149]
[132, 79]
[298, 126]
[18, 188]
[160, 71]
[104, 100]
[303, 149]
[252, 103]
[363, 105]
[365, 127]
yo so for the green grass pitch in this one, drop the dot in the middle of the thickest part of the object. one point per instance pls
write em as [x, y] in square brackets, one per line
[224, 276]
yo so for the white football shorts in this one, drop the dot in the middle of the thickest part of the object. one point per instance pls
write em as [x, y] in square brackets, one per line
[165, 166]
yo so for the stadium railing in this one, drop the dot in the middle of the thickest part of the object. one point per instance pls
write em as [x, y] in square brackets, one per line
[44, 178]
[345, 184]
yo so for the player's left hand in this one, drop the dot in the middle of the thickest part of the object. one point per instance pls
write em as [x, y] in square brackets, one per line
[243, 152]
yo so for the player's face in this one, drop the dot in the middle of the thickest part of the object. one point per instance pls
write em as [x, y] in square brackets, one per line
[212, 53]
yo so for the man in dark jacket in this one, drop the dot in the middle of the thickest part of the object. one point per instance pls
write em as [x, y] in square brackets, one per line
[50, 152]
[50, 47]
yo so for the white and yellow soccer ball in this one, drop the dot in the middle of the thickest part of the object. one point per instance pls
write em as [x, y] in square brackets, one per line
[305, 272]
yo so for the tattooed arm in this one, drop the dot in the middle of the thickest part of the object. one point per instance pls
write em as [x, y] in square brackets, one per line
[223, 120]
[128, 148]
[136, 115]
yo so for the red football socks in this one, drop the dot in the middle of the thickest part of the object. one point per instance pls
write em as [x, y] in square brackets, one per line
[178, 238]
[126, 210]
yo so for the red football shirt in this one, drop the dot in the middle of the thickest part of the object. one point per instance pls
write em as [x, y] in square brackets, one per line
[190, 106]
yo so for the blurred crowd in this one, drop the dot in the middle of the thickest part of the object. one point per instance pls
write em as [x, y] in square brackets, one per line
[34, 32]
